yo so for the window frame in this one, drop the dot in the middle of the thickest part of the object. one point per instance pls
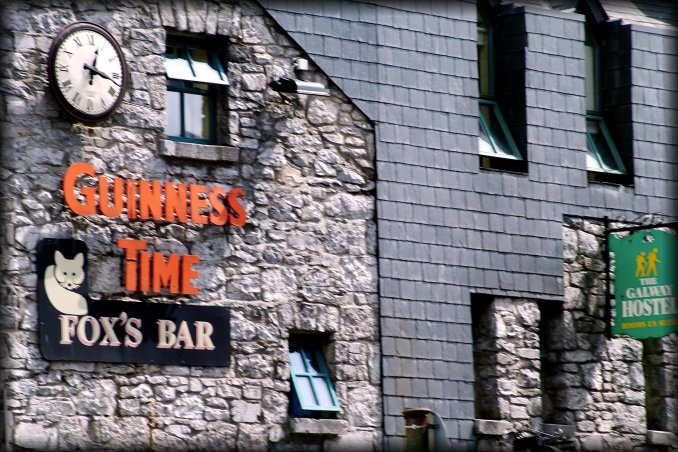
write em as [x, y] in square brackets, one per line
[592, 147]
[602, 172]
[489, 36]
[496, 159]
[300, 407]
[516, 155]
[185, 86]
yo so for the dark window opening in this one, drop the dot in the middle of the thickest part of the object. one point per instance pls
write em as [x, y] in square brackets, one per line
[604, 161]
[484, 359]
[497, 147]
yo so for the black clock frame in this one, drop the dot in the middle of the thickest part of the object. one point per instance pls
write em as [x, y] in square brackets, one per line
[51, 70]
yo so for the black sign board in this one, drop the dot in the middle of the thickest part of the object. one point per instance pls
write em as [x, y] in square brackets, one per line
[74, 327]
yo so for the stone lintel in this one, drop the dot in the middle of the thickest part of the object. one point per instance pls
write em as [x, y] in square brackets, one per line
[660, 438]
[208, 152]
[490, 427]
[318, 426]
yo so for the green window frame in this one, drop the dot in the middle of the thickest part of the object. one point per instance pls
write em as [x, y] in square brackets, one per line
[602, 153]
[312, 388]
[495, 138]
[193, 74]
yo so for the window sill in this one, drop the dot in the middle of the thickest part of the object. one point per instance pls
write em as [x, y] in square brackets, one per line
[503, 164]
[610, 178]
[661, 438]
[205, 152]
[318, 426]
[490, 427]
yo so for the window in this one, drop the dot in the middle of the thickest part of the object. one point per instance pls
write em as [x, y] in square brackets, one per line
[603, 156]
[312, 388]
[495, 140]
[193, 75]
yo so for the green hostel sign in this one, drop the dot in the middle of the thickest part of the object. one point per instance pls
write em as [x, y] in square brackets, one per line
[645, 283]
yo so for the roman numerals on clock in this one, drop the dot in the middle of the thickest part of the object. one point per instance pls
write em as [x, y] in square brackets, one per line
[87, 71]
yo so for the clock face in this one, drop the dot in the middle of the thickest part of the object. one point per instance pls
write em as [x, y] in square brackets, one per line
[87, 71]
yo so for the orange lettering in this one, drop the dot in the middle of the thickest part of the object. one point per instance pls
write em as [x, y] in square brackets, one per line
[219, 216]
[166, 274]
[88, 207]
[175, 202]
[150, 200]
[131, 199]
[188, 273]
[116, 210]
[198, 203]
[131, 247]
[144, 271]
[239, 216]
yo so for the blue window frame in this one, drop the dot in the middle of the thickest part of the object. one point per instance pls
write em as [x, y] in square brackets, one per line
[312, 387]
[193, 74]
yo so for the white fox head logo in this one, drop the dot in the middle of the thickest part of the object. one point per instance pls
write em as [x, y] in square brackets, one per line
[61, 279]
[69, 272]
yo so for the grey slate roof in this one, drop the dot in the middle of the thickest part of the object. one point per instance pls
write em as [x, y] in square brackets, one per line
[656, 13]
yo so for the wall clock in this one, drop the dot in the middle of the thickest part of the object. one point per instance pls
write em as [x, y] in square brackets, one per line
[87, 71]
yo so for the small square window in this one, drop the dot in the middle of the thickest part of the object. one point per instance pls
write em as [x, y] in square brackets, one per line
[193, 73]
[312, 387]
[495, 138]
[602, 153]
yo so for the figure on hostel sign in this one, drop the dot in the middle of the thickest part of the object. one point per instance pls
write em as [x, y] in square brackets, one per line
[645, 283]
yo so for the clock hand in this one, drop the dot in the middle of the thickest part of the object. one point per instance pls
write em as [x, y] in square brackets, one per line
[94, 64]
[94, 70]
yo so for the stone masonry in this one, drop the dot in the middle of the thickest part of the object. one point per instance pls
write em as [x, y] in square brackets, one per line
[548, 363]
[598, 383]
[507, 366]
[304, 262]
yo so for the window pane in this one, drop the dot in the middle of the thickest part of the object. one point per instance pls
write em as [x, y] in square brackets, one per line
[590, 63]
[483, 61]
[313, 364]
[296, 363]
[484, 142]
[173, 114]
[176, 64]
[598, 145]
[322, 391]
[501, 142]
[305, 393]
[311, 384]
[205, 70]
[196, 116]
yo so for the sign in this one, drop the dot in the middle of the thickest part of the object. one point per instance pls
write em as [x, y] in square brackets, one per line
[74, 327]
[138, 199]
[645, 283]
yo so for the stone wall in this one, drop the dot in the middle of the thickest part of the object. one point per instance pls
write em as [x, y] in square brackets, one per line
[598, 382]
[304, 262]
[507, 366]
[614, 392]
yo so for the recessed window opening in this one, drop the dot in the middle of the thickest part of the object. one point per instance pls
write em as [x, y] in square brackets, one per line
[312, 392]
[603, 156]
[495, 139]
[193, 75]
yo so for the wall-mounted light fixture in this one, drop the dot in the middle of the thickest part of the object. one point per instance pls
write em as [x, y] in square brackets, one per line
[301, 64]
[290, 85]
